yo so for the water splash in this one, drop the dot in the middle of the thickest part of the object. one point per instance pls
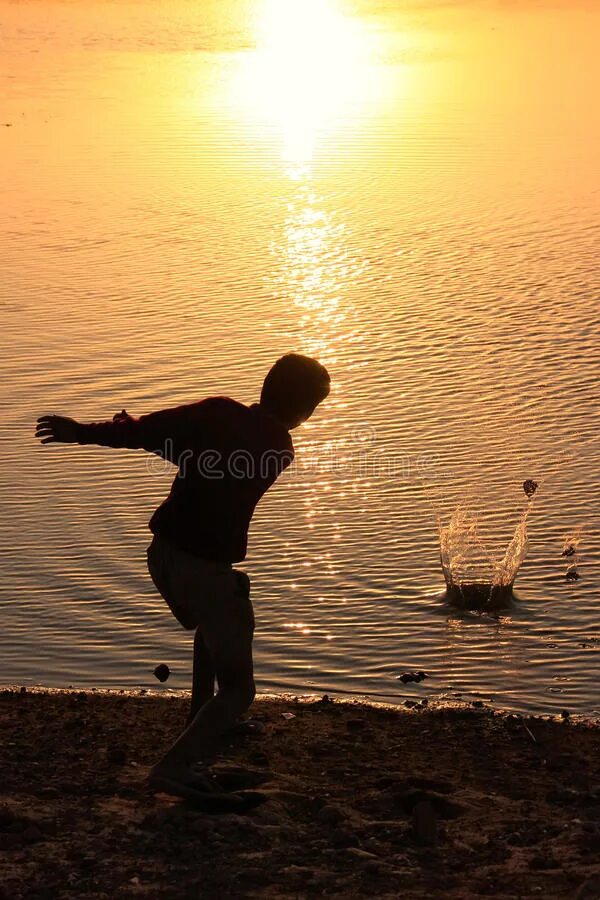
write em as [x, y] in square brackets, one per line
[476, 577]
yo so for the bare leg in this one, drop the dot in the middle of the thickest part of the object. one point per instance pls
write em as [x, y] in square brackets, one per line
[203, 679]
[228, 637]
[201, 736]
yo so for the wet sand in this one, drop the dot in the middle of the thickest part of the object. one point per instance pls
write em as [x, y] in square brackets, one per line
[362, 801]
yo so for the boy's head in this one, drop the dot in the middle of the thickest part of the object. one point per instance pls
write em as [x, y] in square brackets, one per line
[293, 388]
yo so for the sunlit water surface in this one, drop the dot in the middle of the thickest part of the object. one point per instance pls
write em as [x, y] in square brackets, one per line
[409, 191]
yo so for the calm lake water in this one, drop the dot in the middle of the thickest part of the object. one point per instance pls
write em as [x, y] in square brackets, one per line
[410, 192]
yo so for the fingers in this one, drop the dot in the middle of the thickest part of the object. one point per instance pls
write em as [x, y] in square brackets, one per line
[45, 425]
[45, 429]
[56, 428]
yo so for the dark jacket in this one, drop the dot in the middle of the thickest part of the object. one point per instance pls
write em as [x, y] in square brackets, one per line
[227, 455]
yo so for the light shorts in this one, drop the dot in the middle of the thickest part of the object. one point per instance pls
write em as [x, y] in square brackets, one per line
[200, 591]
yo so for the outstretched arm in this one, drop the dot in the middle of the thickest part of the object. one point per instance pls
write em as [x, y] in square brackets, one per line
[151, 432]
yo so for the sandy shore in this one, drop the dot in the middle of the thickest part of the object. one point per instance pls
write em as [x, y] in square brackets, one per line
[361, 802]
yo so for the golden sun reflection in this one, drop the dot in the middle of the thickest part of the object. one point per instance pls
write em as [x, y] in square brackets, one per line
[310, 71]
[314, 267]
[309, 82]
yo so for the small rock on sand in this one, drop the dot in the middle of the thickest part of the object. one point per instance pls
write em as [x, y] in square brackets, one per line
[330, 815]
[443, 806]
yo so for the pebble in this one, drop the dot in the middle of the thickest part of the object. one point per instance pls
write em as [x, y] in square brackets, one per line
[407, 677]
[361, 854]
[162, 672]
[442, 805]
[372, 866]
[330, 815]
[252, 726]
[563, 795]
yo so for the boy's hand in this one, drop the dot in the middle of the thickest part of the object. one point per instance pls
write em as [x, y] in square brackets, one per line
[56, 429]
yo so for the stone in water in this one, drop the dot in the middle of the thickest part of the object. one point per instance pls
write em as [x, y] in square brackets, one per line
[162, 672]
[407, 677]
[530, 487]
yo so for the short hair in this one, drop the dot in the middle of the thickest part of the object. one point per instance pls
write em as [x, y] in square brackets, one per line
[295, 385]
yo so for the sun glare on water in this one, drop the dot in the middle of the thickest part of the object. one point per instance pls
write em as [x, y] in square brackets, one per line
[310, 72]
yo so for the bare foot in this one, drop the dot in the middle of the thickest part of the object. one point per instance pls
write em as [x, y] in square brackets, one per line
[200, 791]
[163, 774]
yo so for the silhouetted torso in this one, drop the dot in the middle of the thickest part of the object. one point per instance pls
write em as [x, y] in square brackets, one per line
[227, 454]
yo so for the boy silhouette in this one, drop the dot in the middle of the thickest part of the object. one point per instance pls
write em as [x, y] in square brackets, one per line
[228, 455]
